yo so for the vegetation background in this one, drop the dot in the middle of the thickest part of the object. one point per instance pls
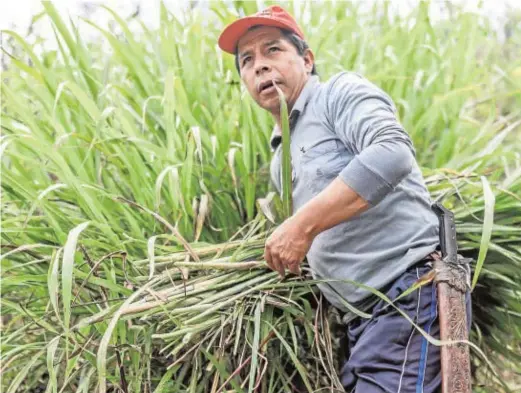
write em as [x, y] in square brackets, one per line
[135, 196]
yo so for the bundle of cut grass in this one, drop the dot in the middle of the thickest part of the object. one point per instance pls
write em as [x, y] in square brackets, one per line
[208, 317]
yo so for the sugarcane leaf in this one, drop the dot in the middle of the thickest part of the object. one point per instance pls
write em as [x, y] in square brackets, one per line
[51, 351]
[52, 280]
[41, 196]
[67, 271]
[221, 369]
[163, 386]
[101, 361]
[255, 346]
[27, 312]
[151, 256]
[287, 188]
[298, 365]
[85, 101]
[85, 377]
[202, 213]
[20, 377]
[488, 223]
[24, 248]
[291, 328]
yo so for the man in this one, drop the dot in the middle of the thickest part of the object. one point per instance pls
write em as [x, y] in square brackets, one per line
[361, 208]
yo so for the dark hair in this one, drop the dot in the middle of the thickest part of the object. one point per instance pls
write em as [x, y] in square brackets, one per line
[299, 44]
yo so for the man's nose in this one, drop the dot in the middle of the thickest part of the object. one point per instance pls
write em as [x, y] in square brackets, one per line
[261, 67]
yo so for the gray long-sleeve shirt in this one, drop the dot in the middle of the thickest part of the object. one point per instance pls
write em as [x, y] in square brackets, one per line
[347, 128]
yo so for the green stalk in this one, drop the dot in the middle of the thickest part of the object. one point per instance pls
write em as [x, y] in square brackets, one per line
[287, 188]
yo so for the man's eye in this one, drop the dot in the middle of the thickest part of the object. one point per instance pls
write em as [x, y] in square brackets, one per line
[273, 49]
[245, 60]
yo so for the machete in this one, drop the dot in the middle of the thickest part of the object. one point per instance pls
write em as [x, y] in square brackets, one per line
[452, 275]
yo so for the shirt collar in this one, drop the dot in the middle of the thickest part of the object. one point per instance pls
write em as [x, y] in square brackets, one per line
[300, 104]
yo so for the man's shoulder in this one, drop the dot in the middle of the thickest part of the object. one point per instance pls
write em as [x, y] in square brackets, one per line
[348, 84]
[348, 80]
[350, 76]
[345, 78]
[337, 85]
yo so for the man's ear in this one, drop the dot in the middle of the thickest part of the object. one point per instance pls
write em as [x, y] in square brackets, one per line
[309, 60]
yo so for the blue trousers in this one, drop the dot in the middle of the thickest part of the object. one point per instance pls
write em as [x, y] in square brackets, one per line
[386, 353]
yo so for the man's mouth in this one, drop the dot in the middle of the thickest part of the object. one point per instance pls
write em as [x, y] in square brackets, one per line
[267, 87]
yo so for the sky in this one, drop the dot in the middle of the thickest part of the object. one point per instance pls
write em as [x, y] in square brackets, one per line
[17, 14]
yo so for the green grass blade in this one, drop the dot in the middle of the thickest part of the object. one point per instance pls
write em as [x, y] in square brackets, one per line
[52, 280]
[67, 271]
[20, 377]
[51, 352]
[255, 347]
[151, 256]
[287, 189]
[486, 235]
[298, 365]
[101, 358]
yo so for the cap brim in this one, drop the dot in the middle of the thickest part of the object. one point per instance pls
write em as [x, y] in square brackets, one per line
[232, 33]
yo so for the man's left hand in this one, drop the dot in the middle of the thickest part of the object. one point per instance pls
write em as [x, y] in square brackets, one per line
[287, 247]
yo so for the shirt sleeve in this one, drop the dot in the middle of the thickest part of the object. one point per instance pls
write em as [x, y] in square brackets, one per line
[364, 118]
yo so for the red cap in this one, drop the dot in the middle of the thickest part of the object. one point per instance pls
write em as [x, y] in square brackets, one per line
[272, 16]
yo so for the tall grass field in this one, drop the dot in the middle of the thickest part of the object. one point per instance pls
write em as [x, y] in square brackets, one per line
[136, 200]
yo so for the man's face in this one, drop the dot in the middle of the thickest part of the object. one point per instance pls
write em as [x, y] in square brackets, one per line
[265, 55]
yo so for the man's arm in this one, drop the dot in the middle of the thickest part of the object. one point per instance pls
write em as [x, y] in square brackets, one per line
[364, 118]
[335, 204]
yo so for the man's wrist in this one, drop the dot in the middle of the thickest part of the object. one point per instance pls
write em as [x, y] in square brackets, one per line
[308, 222]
